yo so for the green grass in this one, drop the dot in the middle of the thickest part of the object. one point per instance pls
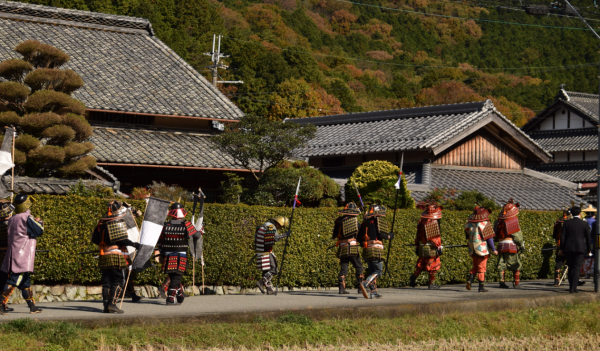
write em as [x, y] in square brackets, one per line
[296, 330]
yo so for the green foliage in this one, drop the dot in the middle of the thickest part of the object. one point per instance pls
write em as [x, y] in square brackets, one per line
[280, 182]
[441, 196]
[232, 188]
[172, 192]
[467, 199]
[82, 189]
[37, 92]
[259, 144]
[375, 181]
[229, 240]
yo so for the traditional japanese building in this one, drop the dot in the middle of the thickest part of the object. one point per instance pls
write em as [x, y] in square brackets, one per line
[568, 130]
[153, 115]
[469, 146]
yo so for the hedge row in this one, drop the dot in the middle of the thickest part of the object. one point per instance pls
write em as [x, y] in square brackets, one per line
[229, 253]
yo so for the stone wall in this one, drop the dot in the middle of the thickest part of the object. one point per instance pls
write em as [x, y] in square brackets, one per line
[62, 293]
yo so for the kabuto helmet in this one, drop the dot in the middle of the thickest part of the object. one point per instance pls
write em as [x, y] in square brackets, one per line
[177, 211]
[22, 203]
[480, 214]
[432, 212]
[509, 210]
[350, 210]
[6, 209]
[282, 221]
[115, 208]
[375, 210]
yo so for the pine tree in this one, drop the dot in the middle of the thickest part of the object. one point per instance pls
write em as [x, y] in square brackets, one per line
[50, 123]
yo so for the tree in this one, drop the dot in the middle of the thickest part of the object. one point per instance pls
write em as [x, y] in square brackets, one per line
[51, 125]
[296, 98]
[375, 181]
[278, 186]
[232, 188]
[259, 144]
[467, 200]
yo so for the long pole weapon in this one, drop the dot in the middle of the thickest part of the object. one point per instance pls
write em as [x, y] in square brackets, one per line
[12, 178]
[290, 230]
[131, 265]
[387, 259]
[359, 197]
[194, 254]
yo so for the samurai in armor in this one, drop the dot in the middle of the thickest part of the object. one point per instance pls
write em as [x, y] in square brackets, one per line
[264, 239]
[22, 233]
[173, 245]
[6, 210]
[373, 230]
[345, 231]
[111, 237]
[510, 243]
[428, 245]
[560, 259]
[480, 237]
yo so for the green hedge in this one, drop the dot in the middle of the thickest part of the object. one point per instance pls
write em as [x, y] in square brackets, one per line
[229, 245]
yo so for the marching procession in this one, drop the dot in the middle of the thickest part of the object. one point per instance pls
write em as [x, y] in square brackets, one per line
[166, 237]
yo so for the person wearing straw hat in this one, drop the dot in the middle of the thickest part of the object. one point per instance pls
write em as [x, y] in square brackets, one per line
[588, 265]
[510, 243]
[480, 238]
[429, 245]
[345, 231]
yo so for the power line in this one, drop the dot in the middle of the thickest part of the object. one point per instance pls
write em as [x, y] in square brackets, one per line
[462, 18]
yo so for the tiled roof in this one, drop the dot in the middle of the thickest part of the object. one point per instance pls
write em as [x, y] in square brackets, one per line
[585, 102]
[124, 68]
[153, 147]
[531, 190]
[583, 172]
[392, 130]
[583, 139]
[51, 186]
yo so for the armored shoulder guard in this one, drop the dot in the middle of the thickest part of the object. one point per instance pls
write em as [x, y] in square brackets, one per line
[117, 230]
[190, 229]
[487, 232]
[350, 227]
[432, 229]
[383, 227]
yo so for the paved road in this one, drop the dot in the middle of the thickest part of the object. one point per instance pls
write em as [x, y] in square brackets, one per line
[203, 306]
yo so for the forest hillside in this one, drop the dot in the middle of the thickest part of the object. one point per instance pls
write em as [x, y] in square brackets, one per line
[302, 58]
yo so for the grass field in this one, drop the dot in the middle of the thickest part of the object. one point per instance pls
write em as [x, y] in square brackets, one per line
[573, 327]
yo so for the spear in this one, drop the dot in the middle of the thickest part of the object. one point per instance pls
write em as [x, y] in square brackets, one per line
[387, 259]
[290, 230]
[359, 197]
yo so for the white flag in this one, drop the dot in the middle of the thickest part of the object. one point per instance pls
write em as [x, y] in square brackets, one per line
[397, 185]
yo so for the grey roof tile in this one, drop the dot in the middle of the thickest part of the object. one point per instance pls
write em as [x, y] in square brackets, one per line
[154, 147]
[51, 186]
[580, 172]
[531, 192]
[128, 72]
[394, 130]
[583, 139]
[586, 102]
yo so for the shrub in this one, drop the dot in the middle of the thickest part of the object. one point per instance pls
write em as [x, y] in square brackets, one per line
[232, 188]
[375, 181]
[229, 249]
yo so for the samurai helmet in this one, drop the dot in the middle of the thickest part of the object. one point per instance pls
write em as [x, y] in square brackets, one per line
[115, 208]
[282, 221]
[177, 211]
[566, 215]
[6, 209]
[480, 214]
[375, 210]
[22, 203]
[432, 211]
[509, 210]
[350, 210]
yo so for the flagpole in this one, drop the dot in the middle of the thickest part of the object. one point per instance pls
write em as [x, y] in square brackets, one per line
[387, 270]
[12, 178]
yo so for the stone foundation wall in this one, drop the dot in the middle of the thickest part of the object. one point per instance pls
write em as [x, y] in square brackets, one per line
[62, 293]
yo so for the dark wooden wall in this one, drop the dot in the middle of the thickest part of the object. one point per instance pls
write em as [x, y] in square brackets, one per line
[481, 150]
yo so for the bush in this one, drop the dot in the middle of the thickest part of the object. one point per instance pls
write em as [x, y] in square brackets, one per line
[375, 181]
[281, 181]
[229, 250]
[232, 188]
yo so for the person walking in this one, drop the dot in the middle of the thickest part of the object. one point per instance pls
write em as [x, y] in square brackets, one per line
[575, 243]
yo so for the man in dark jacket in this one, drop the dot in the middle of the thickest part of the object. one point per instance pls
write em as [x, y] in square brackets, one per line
[575, 244]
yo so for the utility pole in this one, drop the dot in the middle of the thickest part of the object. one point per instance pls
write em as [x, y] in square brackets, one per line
[216, 56]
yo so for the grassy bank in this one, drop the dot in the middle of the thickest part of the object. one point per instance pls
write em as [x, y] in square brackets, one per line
[545, 326]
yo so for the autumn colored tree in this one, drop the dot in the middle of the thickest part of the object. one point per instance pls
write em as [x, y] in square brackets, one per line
[296, 98]
[51, 125]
